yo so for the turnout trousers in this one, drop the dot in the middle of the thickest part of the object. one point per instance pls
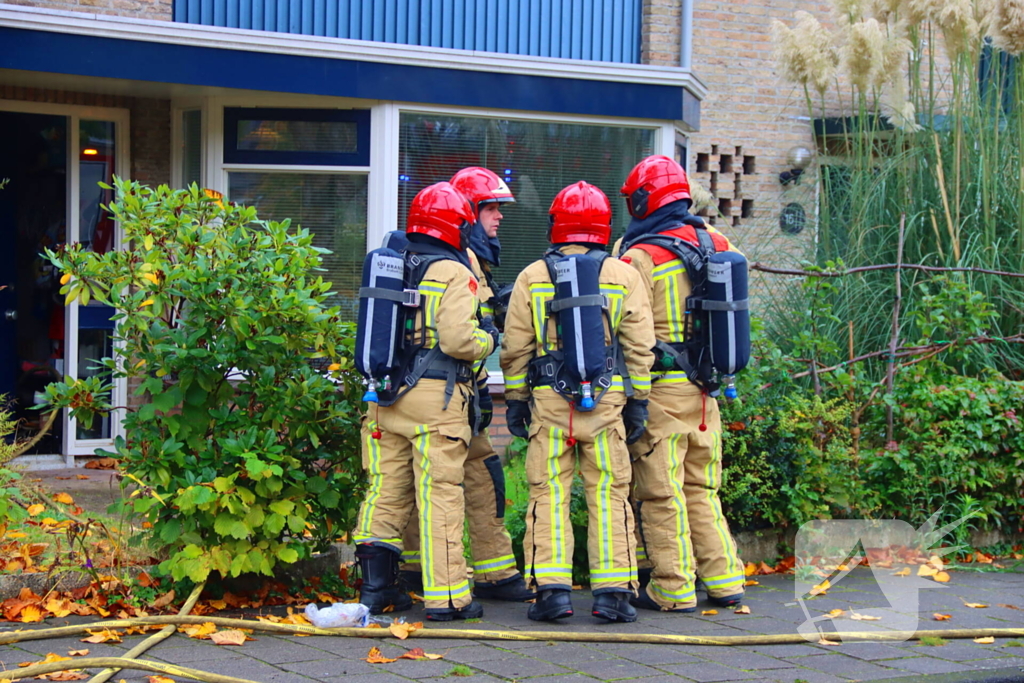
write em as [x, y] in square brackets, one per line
[417, 464]
[489, 543]
[677, 471]
[604, 462]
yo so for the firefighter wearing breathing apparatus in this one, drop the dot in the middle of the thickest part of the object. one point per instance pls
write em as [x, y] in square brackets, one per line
[494, 565]
[576, 357]
[417, 343]
[684, 266]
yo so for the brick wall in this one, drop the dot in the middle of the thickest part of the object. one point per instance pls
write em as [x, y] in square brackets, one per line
[138, 9]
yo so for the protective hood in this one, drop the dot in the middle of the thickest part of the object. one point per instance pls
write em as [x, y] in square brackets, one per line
[667, 217]
[486, 248]
[425, 244]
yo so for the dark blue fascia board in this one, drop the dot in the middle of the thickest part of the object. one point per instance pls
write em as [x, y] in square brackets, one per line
[89, 55]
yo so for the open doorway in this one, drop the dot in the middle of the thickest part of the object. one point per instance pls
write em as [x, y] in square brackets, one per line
[33, 216]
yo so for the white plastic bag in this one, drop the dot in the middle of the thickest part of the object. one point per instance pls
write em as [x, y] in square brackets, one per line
[339, 614]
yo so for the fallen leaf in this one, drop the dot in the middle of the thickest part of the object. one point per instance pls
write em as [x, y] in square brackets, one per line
[157, 679]
[101, 464]
[765, 569]
[751, 582]
[374, 656]
[836, 613]
[81, 476]
[401, 631]
[941, 577]
[941, 617]
[49, 658]
[863, 617]
[903, 572]
[64, 498]
[936, 561]
[164, 600]
[988, 640]
[36, 509]
[821, 588]
[1008, 606]
[199, 631]
[828, 642]
[975, 605]
[77, 653]
[927, 570]
[709, 613]
[742, 609]
[229, 637]
[418, 653]
[31, 614]
[75, 675]
[104, 636]
[58, 607]
[750, 569]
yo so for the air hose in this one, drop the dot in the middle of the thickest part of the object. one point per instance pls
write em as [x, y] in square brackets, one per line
[129, 662]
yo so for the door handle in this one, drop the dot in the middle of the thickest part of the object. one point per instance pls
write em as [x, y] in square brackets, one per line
[10, 315]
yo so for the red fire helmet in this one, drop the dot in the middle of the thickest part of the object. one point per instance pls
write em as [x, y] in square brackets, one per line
[653, 183]
[580, 213]
[481, 186]
[443, 212]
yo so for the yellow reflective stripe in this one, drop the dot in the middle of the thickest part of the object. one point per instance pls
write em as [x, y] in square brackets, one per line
[486, 309]
[558, 499]
[543, 287]
[459, 590]
[376, 482]
[642, 383]
[682, 531]
[425, 500]
[515, 381]
[495, 564]
[667, 269]
[641, 552]
[671, 377]
[718, 523]
[674, 310]
[615, 294]
[483, 340]
[432, 287]
[613, 575]
[684, 595]
[724, 581]
[606, 549]
[540, 294]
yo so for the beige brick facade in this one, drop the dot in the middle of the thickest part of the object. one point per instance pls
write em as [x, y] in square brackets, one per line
[137, 9]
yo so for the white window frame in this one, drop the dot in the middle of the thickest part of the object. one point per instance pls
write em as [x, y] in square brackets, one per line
[72, 445]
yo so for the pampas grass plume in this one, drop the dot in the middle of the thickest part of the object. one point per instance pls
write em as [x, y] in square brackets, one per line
[864, 55]
[702, 199]
[805, 53]
[959, 25]
[1007, 25]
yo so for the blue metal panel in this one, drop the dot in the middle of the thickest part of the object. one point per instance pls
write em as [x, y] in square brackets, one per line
[601, 30]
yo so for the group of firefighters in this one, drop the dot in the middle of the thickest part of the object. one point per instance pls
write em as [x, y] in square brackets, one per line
[645, 434]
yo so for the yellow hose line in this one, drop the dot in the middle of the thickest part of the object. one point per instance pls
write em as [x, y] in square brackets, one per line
[164, 633]
[473, 634]
[118, 663]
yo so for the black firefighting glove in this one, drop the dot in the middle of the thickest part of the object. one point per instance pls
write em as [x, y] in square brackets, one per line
[487, 325]
[486, 405]
[634, 416]
[517, 417]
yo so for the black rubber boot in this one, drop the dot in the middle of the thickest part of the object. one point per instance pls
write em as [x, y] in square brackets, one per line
[512, 589]
[726, 600]
[379, 567]
[644, 601]
[411, 581]
[473, 610]
[614, 607]
[551, 605]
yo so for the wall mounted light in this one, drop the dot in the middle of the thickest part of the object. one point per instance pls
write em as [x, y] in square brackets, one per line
[89, 151]
[798, 159]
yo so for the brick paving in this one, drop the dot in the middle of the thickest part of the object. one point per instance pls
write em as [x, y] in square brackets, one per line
[277, 659]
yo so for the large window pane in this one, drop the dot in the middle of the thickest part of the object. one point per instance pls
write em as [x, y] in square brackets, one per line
[191, 147]
[536, 159]
[331, 206]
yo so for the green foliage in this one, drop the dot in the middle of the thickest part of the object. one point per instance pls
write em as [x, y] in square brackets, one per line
[248, 455]
[10, 492]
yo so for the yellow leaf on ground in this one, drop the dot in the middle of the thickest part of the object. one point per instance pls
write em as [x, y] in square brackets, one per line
[975, 605]
[750, 569]
[836, 613]
[418, 653]
[74, 675]
[927, 570]
[1008, 606]
[751, 582]
[58, 607]
[863, 617]
[709, 613]
[401, 631]
[50, 657]
[903, 572]
[77, 653]
[36, 509]
[104, 636]
[941, 617]
[374, 656]
[821, 588]
[941, 577]
[159, 679]
[81, 476]
[988, 640]
[64, 498]
[743, 609]
[822, 641]
[229, 637]
[31, 614]
[199, 631]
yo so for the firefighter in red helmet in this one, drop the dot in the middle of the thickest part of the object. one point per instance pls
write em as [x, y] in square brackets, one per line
[495, 575]
[565, 419]
[415, 441]
[677, 463]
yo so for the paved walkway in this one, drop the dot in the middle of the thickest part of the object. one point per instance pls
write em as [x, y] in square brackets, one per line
[273, 659]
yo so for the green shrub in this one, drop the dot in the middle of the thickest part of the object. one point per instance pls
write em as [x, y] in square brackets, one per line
[248, 454]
